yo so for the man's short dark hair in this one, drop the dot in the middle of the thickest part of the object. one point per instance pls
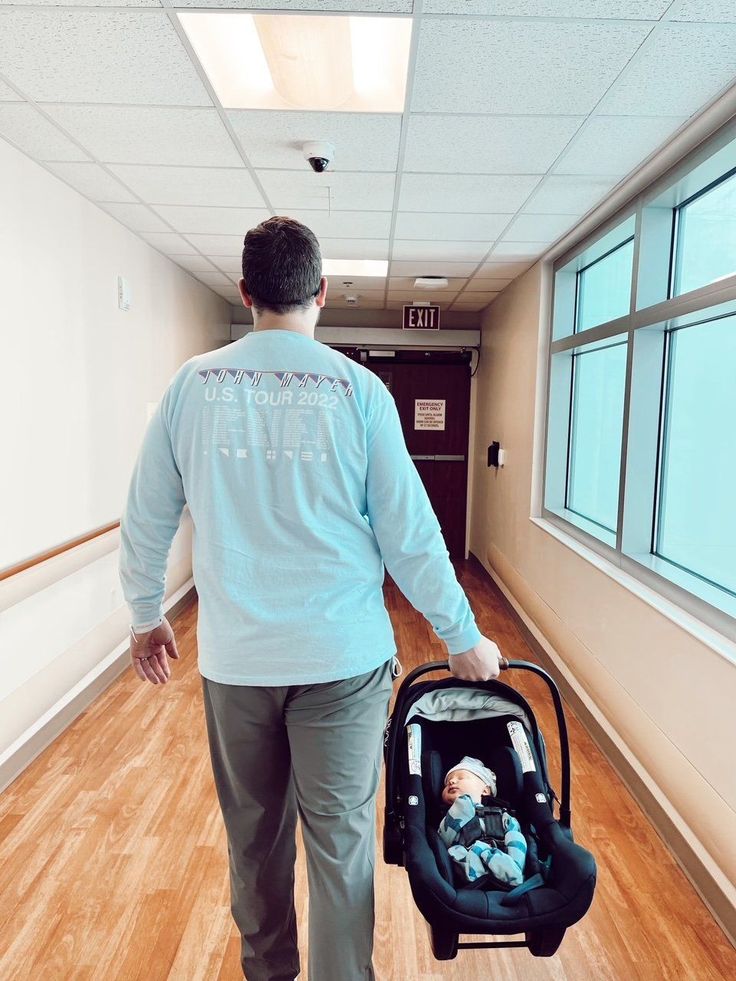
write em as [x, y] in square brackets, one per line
[282, 265]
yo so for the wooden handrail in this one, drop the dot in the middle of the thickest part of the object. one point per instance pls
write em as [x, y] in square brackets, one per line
[13, 570]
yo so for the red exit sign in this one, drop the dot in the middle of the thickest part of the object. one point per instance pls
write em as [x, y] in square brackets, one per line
[421, 318]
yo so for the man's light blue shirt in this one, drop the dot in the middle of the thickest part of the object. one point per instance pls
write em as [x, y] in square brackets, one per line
[293, 464]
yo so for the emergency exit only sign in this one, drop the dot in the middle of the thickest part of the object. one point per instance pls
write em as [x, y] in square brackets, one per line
[421, 318]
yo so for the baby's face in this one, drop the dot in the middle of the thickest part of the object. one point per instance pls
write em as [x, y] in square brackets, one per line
[461, 782]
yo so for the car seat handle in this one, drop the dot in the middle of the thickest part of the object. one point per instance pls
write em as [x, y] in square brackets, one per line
[506, 665]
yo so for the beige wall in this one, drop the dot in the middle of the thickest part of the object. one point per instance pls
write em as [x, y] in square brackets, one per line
[661, 684]
[79, 378]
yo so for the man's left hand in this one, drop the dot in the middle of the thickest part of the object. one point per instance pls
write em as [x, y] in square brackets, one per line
[148, 652]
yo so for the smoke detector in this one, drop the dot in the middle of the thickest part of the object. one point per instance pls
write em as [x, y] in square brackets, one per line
[431, 283]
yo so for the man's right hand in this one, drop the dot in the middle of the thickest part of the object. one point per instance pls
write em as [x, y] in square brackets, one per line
[480, 663]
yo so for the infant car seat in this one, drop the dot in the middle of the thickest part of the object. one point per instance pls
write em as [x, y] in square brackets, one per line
[434, 724]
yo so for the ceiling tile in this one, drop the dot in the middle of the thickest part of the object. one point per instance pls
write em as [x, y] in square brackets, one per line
[83, 3]
[35, 135]
[558, 195]
[322, 6]
[627, 140]
[137, 217]
[428, 268]
[98, 56]
[362, 304]
[169, 243]
[354, 248]
[229, 187]
[509, 67]
[503, 268]
[610, 9]
[222, 245]
[714, 11]
[193, 263]
[538, 228]
[215, 279]
[363, 141]
[92, 181]
[340, 191]
[221, 221]
[449, 227]
[370, 283]
[345, 224]
[407, 283]
[518, 251]
[485, 285]
[459, 251]
[465, 193]
[491, 145]
[355, 291]
[7, 94]
[422, 296]
[231, 266]
[678, 70]
[443, 302]
[149, 135]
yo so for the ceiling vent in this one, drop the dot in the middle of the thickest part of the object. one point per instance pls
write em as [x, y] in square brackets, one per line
[431, 283]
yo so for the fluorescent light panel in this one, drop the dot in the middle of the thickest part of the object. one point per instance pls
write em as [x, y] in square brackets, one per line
[285, 61]
[355, 267]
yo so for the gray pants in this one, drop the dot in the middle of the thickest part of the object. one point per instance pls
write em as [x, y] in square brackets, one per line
[315, 750]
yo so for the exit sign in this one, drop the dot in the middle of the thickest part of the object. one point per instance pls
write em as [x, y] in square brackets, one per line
[421, 318]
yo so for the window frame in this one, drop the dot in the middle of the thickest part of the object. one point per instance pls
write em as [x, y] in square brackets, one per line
[653, 311]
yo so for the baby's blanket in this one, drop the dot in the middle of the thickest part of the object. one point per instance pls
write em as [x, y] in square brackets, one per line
[481, 857]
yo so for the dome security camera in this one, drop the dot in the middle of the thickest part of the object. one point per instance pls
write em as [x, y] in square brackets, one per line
[319, 155]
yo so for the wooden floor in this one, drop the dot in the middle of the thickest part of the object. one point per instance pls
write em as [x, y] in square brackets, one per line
[114, 857]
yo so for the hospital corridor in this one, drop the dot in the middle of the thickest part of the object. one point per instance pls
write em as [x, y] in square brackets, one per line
[367, 527]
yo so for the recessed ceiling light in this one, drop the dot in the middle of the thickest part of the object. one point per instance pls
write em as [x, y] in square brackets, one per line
[286, 61]
[354, 267]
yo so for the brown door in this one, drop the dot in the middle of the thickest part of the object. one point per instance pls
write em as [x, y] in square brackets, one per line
[420, 382]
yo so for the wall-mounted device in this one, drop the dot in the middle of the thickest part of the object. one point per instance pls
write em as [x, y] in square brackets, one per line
[124, 296]
[496, 456]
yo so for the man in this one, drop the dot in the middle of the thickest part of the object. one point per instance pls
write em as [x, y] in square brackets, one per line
[293, 464]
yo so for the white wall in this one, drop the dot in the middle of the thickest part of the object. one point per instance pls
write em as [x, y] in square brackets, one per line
[661, 683]
[78, 378]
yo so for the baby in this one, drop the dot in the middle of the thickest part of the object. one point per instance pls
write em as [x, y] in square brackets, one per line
[465, 784]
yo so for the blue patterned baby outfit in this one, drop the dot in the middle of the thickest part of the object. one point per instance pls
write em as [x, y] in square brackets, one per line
[481, 857]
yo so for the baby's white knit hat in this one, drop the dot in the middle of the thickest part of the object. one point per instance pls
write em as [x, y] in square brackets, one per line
[476, 766]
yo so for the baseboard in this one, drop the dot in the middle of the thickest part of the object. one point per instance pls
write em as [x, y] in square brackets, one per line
[676, 842]
[19, 756]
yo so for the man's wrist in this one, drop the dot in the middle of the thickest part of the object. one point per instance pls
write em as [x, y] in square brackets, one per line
[145, 628]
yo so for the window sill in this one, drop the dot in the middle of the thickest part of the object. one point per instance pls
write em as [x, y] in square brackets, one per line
[719, 641]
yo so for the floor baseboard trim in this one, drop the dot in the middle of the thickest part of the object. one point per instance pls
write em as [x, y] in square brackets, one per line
[19, 756]
[677, 844]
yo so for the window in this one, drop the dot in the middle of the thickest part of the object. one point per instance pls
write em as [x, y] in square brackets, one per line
[641, 420]
[705, 249]
[595, 435]
[696, 527]
[604, 287]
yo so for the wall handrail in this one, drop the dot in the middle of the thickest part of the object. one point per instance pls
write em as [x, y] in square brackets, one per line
[13, 570]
